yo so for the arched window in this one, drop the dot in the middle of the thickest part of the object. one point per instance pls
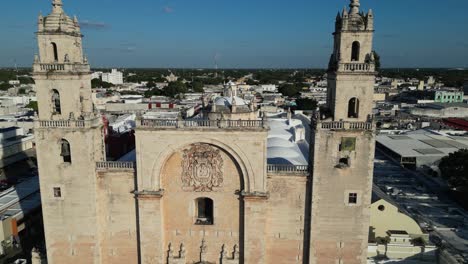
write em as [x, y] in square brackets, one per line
[54, 49]
[353, 108]
[56, 102]
[65, 151]
[356, 49]
[204, 211]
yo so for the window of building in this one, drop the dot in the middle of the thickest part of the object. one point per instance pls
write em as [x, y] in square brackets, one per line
[65, 151]
[57, 109]
[57, 192]
[381, 207]
[356, 49]
[55, 51]
[204, 211]
[353, 198]
[353, 108]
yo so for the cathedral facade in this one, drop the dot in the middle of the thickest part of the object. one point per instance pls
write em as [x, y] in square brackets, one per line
[202, 191]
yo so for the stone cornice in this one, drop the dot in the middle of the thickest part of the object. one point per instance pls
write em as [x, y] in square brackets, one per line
[255, 195]
[149, 194]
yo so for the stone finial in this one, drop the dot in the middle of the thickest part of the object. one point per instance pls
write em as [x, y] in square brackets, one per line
[36, 58]
[170, 251]
[182, 251]
[233, 105]
[36, 257]
[57, 6]
[235, 253]
[354, 7]
[345, 12]
[203, 249]
[223, 252]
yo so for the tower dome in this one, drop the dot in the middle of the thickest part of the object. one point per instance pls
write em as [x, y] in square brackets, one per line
[58, 21]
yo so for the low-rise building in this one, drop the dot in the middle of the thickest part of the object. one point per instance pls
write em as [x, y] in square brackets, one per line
[448, 97]
[421, 147]
[440, 110]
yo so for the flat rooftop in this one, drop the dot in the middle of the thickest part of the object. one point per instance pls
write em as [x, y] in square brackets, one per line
[423, 143]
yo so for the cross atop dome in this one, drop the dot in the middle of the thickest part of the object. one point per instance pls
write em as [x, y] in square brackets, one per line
[354, 7]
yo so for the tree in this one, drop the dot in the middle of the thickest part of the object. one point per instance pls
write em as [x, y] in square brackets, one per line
[5, 86]
[150, 84]
[175, 88]
[97, 83]
[33, 106]
[153, 92]
[454, 168]
[197, 87]
[306, 104]
[289, 90]
[26, 80]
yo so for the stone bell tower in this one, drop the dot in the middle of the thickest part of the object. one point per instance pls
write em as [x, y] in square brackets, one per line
[343, 152]
[69, 140]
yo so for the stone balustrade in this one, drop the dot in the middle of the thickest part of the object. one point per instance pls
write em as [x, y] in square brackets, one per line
[213, 124]
[60, 67]
[67, 123]
[288, 169]
[115, 165]
[356, 67]
[341, 125]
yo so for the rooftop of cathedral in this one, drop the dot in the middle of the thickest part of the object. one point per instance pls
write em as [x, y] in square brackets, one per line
[287, 144]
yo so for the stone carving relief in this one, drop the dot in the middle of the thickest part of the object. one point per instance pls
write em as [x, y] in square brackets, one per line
[202, 168]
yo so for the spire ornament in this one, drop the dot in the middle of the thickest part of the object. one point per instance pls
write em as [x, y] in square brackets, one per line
[57, 6]
[354, 7]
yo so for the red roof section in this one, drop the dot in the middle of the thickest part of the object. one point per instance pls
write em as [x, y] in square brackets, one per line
[456, 123]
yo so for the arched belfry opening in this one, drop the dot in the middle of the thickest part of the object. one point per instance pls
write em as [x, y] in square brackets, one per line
[56, 105]
[65, 151]
[356, 49]
[55, 51]
[353, 108]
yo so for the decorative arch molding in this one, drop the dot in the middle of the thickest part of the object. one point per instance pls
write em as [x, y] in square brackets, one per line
[233, 150]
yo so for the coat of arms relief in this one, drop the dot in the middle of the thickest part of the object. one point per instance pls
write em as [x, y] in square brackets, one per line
[202, 168]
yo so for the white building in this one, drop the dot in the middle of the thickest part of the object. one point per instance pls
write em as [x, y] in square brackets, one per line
[269, 88]
[96, 75]
[114, 77]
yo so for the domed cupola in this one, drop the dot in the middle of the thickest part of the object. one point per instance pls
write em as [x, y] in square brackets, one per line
[58, 21]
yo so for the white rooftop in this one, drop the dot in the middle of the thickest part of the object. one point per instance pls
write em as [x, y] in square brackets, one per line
[287, 144]
[423, 143]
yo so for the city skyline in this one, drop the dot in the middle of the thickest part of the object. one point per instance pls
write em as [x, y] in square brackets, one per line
[273, 34]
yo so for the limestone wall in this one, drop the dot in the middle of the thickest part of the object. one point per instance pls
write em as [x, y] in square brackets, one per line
[73, 99]
[180, 211]
[70, 221]
[117, 216]
[286, 219]
[339, 229]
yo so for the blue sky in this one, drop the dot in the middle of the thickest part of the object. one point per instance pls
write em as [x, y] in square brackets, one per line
[241, 33]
